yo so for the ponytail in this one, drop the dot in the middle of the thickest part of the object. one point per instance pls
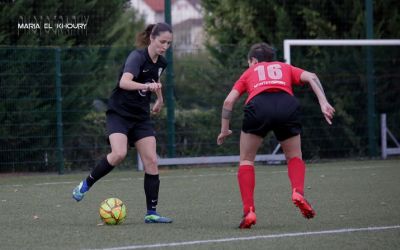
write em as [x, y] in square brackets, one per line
[143, 38]
[152, 30]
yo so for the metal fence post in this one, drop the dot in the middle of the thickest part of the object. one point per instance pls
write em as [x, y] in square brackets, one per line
[170, 89]
[369, 24]
[383, 136]
[60, 149]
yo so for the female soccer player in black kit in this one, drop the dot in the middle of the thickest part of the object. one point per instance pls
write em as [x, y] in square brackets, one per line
[270, 105]
[128, 115]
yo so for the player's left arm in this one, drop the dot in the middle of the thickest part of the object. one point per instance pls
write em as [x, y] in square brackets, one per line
[226, 115]
[160, 100]
[316, 86]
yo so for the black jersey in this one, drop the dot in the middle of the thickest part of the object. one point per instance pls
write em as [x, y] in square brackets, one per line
[136, 103]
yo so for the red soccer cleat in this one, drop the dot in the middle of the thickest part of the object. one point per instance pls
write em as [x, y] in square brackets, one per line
[305, 207]
[248, 220]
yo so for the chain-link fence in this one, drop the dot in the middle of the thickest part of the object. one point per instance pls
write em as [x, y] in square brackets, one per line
[53, 99]
[53, 102]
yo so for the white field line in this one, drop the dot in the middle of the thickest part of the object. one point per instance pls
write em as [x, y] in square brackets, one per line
[258, 237]
[187, 176]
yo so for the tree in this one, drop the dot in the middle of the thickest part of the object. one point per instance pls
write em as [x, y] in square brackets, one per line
[28, 76]
[233, 25]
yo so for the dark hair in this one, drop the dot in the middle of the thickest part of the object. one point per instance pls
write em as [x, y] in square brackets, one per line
[262, 52]
[152, 30]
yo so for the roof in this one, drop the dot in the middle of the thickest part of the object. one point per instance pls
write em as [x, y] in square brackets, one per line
[157, 5]
[189, 23]
[196, 4]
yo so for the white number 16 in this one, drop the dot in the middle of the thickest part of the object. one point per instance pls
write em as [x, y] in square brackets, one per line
[274, 72]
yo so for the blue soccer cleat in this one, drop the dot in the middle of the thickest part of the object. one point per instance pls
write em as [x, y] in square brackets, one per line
[79, 191]
[154, 217]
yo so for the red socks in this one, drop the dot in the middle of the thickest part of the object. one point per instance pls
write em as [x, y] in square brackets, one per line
[296, 173]
[247, 181]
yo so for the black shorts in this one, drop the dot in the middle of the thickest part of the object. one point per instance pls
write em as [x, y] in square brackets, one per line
[133, 129]
[276, 111]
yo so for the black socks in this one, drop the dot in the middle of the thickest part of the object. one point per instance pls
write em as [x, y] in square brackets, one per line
[151, 182]
[151, 187]
[101, 169]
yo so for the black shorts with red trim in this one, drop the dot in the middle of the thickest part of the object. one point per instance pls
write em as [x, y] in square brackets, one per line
[132, 128]
[276, 111]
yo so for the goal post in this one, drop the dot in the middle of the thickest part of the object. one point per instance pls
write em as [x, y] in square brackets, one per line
[289, 43]
[385, 132]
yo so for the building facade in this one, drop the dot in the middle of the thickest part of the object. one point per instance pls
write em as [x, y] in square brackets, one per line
[186, 18]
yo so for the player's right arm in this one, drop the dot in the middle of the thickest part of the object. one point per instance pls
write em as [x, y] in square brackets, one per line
[126, 82]
[226, 114]
[132, 69]
[312, 79]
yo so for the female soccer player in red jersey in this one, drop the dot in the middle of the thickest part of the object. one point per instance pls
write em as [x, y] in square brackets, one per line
[128, 115]
[270, 105]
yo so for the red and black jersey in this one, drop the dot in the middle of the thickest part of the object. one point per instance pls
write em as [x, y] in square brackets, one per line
[136, 103]
[268, 76]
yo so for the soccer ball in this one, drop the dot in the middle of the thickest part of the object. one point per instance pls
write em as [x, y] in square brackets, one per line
[112, 211]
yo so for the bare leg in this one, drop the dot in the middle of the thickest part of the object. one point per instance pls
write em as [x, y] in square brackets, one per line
[147, 150]
[119, 148]
[249, 144]
[292, 147]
